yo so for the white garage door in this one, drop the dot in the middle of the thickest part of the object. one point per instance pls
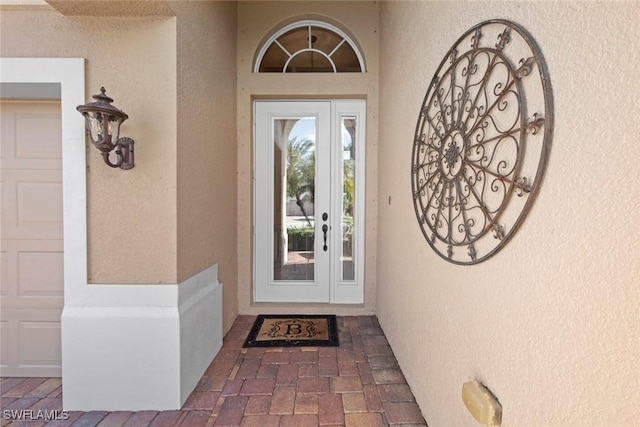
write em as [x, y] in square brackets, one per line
[31, 279]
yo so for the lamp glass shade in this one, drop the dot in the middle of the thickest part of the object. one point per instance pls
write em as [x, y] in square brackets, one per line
[96, 126]
[103, 127]
[113, 128]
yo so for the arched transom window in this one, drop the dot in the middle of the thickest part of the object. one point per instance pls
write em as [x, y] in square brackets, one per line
[309, 46]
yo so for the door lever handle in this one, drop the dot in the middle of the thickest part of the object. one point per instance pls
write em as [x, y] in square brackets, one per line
[325, 228]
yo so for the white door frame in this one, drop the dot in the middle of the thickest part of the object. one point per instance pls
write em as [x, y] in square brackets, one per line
[328, 285]
[69, 73]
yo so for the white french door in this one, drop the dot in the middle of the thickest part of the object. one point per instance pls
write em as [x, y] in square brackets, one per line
[309, 159]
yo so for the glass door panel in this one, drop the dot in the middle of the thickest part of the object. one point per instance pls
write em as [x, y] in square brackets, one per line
[291, 190]
[294, 195]
[348, 146]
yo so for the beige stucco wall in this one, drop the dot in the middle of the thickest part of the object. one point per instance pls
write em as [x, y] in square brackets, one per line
[256, 21]
[131, 214]
[551, 324]
[173, 73]
[206, 166]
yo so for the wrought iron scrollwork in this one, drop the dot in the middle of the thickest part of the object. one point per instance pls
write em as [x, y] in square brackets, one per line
[476, 146]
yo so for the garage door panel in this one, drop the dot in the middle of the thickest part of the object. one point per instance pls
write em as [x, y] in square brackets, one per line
[31, 197]
[12, 302]
[40, 344]
[4, 273]
[32, 204]
[31, 135]
[31, 245]
[40, 274]
[30, 127]
[31, 344]
[7, 340]
[33, 268]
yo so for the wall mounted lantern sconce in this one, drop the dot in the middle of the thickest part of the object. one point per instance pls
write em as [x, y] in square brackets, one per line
[103, 122]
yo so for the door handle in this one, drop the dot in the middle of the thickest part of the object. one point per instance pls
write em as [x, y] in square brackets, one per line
[325, 228]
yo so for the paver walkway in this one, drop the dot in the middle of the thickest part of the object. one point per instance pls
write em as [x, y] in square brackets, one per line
[356, 384]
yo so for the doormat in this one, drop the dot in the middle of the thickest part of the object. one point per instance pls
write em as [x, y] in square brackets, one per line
[293, 330]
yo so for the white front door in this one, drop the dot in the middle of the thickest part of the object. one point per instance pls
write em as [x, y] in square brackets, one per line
[31, 245]
[309, 201]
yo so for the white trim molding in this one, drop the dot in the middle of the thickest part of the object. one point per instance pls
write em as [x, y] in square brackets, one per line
[147, 356]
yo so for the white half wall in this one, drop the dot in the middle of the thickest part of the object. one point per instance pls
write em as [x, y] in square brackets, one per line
[144, 356]
[201, 327]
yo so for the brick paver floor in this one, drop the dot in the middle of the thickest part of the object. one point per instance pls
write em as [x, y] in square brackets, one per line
[356, 384]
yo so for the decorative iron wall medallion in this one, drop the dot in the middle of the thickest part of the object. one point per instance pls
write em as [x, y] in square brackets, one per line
[481, 142]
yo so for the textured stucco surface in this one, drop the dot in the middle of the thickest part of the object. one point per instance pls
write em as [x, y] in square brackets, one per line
[256, 22]
[551, 324]
[174, 214]
[112, 8]
[206, 174]
[131, 214]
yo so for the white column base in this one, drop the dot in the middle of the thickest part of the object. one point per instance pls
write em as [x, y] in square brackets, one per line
[134, 356]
